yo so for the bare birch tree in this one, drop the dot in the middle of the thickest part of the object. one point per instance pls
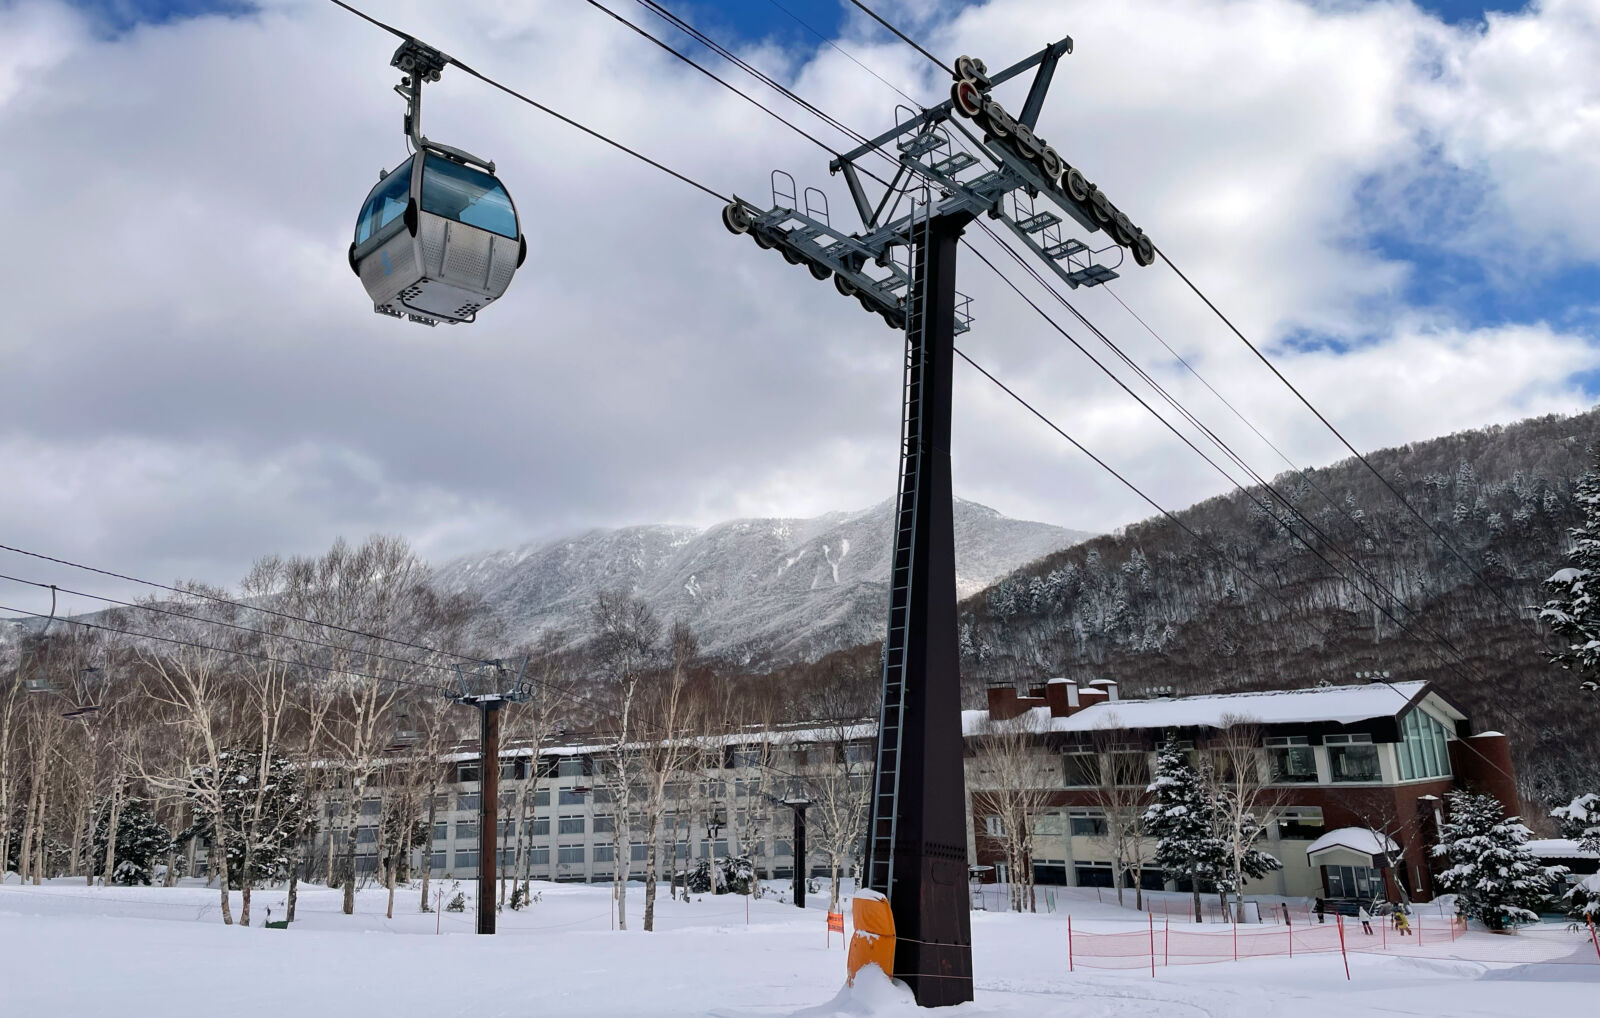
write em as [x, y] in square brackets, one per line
[1011, 781]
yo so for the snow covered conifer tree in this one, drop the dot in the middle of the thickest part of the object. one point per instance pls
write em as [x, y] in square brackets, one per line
[1495, 876]
[1573, 611]
[1580, 821]
[1181, 819]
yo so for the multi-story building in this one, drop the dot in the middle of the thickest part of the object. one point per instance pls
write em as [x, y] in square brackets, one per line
[729, 799]
[1352, 777]
[1353, 782]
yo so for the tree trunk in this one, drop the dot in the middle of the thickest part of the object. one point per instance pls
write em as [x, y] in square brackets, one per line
[294, 890]
[651, 822]
[427, 851]
[112, 823]
[348, 864]
[1199, 916]
[76, 854]
[29, 818]
[219, 868]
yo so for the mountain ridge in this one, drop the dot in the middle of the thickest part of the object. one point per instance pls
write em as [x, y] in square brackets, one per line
[758, 590]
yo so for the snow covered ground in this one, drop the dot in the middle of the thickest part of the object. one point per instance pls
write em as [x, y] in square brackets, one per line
[76, 951]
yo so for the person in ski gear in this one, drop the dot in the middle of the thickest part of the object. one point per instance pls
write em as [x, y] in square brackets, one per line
[1366, 920]
[1402, 922]
[1321, 908]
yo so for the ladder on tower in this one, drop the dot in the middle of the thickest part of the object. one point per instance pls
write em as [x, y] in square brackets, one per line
[886, 778]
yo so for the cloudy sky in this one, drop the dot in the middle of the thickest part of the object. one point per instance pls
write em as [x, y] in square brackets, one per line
[1400, 202]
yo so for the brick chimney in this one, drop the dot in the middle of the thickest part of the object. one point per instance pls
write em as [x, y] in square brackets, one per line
[1062, 696]
[1108, 685]
[1005, 703]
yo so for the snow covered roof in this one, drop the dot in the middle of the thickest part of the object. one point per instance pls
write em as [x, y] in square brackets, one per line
[1356, 839]
[1338, 704]
[1559, 848]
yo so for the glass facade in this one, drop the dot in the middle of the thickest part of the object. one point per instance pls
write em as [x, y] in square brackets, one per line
[1292, 759]
[1424, 749]
[1353, 758]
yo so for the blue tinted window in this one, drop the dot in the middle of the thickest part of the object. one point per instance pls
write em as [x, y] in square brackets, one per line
[386, 202]
[466, 195]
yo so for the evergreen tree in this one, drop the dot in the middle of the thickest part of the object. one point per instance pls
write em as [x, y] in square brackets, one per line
[1495, 876]
[1573, 611]
[1580, 821]
[140, 839]
[261, 843]
[1182, 819]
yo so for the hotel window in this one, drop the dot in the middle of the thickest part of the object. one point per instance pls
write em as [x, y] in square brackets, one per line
[541, 797]
[539, 828]
[571, 767]
[570, 854]
[639, 853]
[467, 801]
[604, 853]
[441, 831]
[1292, 759]
[569, 797]
[1301, 822]
[605, 824]
[570, 825]
[466, 859]
[1424, 749]
[1352, 758]
[436, 861]
[467, 772]
[1081, 770]
[466, 830]
[538, 857]
[1086, 823]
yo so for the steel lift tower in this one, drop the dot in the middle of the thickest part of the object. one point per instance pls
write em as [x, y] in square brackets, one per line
[962, 158]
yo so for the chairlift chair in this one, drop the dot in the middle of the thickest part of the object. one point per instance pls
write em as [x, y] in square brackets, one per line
[437, 239]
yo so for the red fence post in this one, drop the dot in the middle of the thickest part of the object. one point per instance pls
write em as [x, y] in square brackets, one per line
[1070, 966]
[1236, 938]
[1342, 953]
[1593, 936]
[1152, 945]
[1419, 928]
[1166, 942]
[1291, 940]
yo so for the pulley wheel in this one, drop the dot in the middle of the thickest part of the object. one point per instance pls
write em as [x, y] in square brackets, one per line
[819, 271]
[844, 286]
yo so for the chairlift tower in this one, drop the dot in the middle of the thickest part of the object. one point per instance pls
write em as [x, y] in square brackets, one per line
[485, 688]
[960, 159]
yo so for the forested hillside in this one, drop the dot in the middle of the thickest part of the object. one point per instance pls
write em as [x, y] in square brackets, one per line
[1151, 606]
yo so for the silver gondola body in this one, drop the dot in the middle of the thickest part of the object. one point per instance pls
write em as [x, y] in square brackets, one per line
[415, 250]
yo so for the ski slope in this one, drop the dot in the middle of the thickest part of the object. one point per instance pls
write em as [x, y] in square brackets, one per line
[77, 951]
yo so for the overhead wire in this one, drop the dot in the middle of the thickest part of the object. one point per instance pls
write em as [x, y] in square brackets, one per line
[1461, 659]
[880, 19]
[236, 652]
[1415, 512]
[268, 634]
[543, 108]
[218, 599]
[843, 52]
[705, 39]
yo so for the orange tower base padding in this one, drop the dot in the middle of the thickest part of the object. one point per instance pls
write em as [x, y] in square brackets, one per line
[874, 939]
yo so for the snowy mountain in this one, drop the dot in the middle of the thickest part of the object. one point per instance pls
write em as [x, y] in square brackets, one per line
[755, 590]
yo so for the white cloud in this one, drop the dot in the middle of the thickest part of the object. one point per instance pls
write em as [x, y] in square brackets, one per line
[190, 375]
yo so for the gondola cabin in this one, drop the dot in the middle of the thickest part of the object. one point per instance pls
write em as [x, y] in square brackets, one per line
[437, 239]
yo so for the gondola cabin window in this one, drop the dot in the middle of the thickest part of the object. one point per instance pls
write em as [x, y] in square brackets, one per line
[386, 203]
[466, 195]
